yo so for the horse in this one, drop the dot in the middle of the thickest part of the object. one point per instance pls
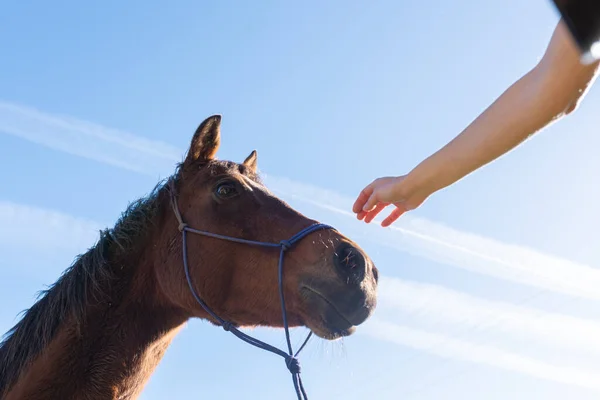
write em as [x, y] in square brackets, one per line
[102, 328]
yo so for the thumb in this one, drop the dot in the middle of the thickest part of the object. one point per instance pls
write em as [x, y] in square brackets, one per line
[371, 202]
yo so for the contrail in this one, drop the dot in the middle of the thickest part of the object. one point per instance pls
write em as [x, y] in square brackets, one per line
[480, 354]
[88, 140]
[41, 229]
[437, 305]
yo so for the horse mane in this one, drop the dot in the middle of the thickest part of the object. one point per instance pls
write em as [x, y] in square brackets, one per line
[91, 277]
[89, 280]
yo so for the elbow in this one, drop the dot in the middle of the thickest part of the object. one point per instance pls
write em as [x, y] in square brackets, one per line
[572, 105]
[573, 94]
[558, 96]
[562, 90]
[561, 80]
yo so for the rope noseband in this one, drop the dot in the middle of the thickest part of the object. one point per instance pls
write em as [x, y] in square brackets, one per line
[290, 357]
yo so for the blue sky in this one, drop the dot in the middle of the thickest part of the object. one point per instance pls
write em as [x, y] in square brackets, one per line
[488, 289]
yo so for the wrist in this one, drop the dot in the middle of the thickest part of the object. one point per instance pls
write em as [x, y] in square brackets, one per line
[418, 181]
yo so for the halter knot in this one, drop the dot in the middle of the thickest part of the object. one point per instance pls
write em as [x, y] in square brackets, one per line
[293, 364]
[182, 226]
[226, 326]
[285, 245]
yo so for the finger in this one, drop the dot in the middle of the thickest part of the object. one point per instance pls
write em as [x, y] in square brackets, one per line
[394, 215]
[362, 198]
[373, 213]
[361, 214]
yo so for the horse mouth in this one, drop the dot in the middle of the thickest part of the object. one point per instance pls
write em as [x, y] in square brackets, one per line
[325, 318]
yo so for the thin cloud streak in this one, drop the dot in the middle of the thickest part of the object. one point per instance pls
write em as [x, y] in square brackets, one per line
[480, 354]
[434, 304]
[88, 140]
[414, 235]
[27, 227]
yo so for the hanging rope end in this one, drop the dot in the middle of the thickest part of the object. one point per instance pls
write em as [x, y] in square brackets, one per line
[293, 365]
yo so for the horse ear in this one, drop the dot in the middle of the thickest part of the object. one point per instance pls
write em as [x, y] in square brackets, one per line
[251, 161]
[206, 140]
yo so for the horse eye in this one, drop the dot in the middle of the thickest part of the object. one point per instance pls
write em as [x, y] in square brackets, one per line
[225, 190]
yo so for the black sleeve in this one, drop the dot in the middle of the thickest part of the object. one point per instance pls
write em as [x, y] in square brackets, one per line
[582, 17]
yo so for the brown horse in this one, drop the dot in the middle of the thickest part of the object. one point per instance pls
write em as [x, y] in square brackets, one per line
[102, 328]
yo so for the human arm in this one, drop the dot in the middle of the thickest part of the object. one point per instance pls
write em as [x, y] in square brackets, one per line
[549, 91]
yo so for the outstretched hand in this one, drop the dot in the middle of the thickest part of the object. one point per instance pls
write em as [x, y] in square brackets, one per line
[381, 193]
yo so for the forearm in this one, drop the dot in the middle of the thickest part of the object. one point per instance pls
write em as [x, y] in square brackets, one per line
[519, 112]
[545, 94]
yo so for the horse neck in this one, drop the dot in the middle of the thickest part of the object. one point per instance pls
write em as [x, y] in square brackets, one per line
[112, 350]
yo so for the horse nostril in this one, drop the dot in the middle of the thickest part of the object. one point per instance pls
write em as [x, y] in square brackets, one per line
[351, 263]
